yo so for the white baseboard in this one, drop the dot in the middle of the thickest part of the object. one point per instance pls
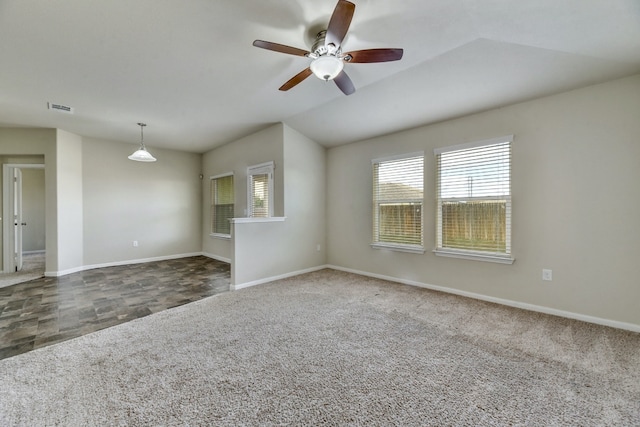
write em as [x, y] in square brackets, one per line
[216, 257]
[525, 306]
[39, 251]
[281, 276]
[118, 263]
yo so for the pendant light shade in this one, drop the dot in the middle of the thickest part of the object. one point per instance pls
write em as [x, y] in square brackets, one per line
[142, 155]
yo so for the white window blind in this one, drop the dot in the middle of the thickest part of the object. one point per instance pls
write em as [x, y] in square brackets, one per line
[260, 190]
[398, 195]
[474, 198]
[222, 204]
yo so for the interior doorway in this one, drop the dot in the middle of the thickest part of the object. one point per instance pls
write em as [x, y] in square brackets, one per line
[23, 216]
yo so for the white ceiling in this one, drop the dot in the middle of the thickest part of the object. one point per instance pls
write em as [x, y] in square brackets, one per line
[188, 68]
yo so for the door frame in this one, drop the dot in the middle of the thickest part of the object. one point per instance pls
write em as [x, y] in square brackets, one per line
[8, 231]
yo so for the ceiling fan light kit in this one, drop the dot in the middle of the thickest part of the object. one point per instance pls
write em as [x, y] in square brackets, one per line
[326, 53]
[327, 67]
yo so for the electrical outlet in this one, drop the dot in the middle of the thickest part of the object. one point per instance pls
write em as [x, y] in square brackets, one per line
[318, 247]
[135, 243]
[546, 274]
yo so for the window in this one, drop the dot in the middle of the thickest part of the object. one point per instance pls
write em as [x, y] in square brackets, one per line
[474, 200]
[397, 203]
[260, 182]
[222, 204]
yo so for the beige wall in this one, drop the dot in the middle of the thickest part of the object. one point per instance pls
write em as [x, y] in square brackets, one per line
[276, 249]
[156, 204]
[236, 157]
[305, 198]
[100, 201]
[263, 250]
[69, 201]
[576, 198]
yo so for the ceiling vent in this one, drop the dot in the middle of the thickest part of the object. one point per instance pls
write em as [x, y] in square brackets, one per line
[59, 107]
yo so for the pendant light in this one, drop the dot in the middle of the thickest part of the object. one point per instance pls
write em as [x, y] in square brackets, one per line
[142, 155]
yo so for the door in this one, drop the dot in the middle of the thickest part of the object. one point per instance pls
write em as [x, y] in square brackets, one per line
[17, 218]
[16, 209]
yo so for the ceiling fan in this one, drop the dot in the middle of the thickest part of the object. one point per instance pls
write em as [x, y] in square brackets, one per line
[326, 53]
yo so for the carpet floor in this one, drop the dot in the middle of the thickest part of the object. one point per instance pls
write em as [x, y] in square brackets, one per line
[331, 348]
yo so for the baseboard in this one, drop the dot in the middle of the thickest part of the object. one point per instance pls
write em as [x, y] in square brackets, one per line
[216, 257]
[118, 263]
[40, 251]
[281, 276]
[525, 306]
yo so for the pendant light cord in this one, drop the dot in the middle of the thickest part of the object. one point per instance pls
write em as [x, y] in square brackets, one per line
[142, 125]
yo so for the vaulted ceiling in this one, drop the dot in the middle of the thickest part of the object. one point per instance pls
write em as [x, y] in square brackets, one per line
[188, 68]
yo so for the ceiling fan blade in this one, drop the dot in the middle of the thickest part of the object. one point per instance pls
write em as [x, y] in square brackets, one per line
[374, 55]
[344, 83]
[339, 23]
[280, 48]
[296, 79]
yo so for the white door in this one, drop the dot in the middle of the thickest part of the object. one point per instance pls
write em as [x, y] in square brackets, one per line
[12, 214]
[17, 218]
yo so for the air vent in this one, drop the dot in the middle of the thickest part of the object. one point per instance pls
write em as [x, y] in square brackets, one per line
[59, 107]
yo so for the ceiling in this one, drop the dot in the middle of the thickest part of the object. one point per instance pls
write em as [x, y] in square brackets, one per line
[188, 69]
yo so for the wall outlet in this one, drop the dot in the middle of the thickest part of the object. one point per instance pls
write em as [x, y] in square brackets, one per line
[318, 247]
[135, 243]
[546, 274]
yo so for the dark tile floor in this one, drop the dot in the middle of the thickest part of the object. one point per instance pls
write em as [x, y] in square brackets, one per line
[49, 310]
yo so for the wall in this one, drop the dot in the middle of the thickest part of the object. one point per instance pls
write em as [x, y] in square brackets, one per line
[33, 193]
[100, 201]
[575, 204]
[262, 250]
[260, 147]
[305, 199]
[259, 252]
[38, 142]
[69, 202]
[156, 204]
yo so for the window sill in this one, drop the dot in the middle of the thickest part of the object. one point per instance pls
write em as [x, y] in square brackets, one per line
[414, 249]
[220, 236]
[474, 256]
[267, 219]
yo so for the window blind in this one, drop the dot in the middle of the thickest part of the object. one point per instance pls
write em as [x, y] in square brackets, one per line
[222, 204]
[474, 197]
[398, 196]
[260, 181]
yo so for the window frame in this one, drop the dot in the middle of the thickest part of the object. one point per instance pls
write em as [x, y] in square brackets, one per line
[266, 168]
[477, 255]
[213, 204]
[400, 247]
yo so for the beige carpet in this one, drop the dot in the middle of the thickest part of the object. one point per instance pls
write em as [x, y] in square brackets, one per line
[33, 267]
[331, 348]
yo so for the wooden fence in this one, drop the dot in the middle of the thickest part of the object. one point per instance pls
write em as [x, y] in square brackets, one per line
[474, 225]
[401, 223]
[478, 225]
